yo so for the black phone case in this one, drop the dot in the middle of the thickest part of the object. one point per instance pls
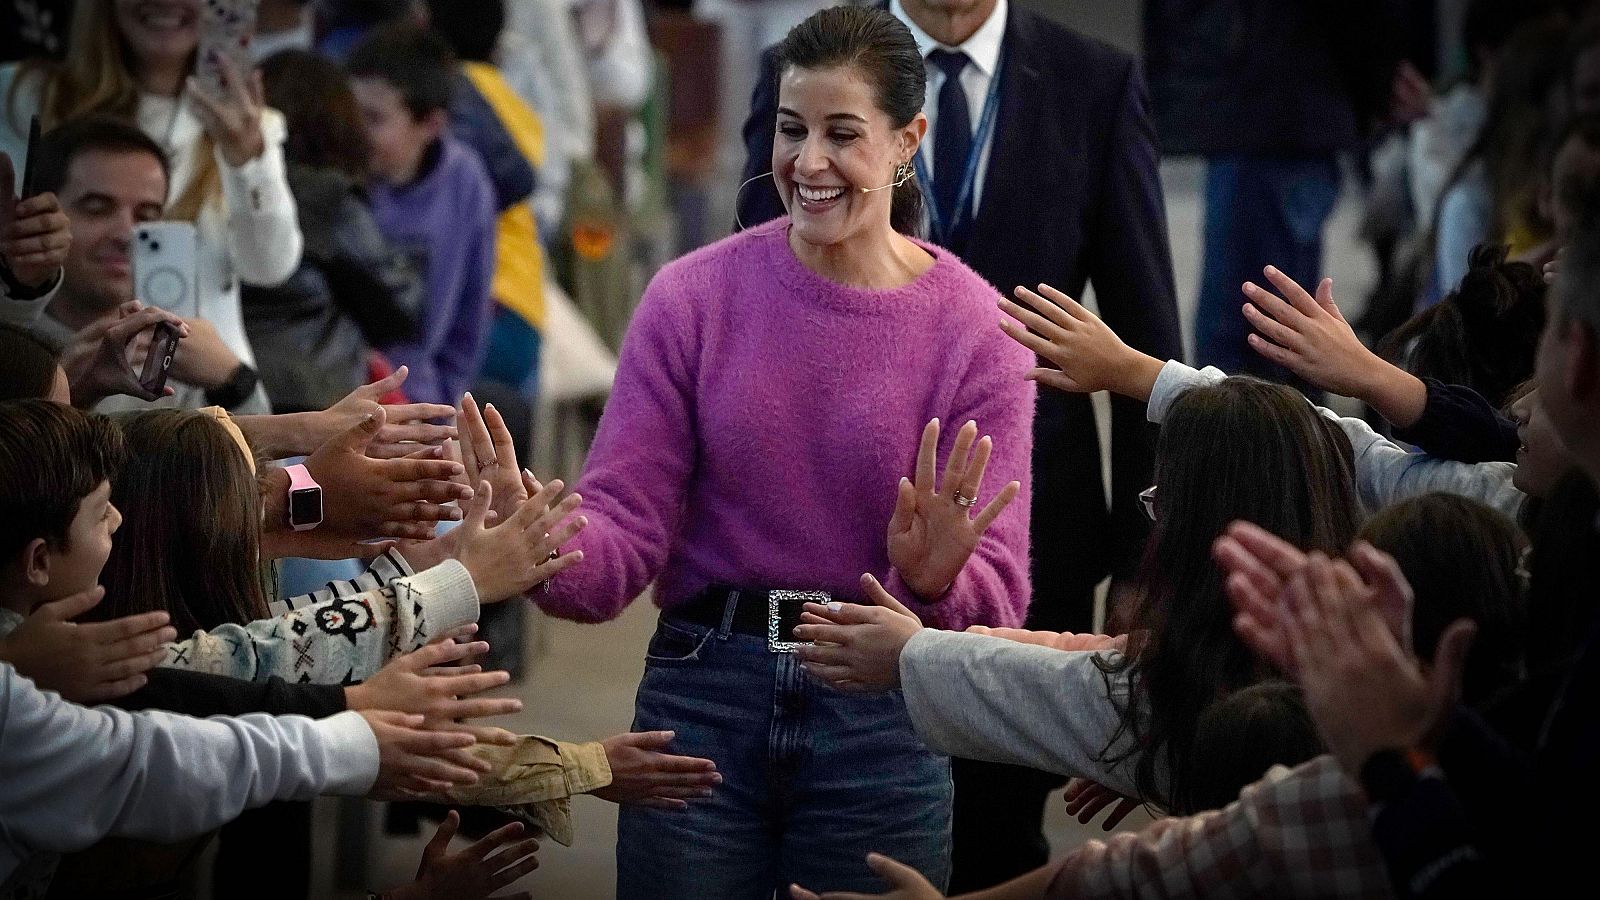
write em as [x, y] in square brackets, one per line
[163, 347]
[27, 161]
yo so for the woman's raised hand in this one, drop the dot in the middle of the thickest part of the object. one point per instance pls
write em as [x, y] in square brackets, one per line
[1087, 355]
[932, 531]
[233, 119]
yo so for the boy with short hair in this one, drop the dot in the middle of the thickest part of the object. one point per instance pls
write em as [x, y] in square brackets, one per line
[57, 522]
[432, 198]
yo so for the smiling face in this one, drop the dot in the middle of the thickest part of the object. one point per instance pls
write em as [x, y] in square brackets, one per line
[105, 194]
[161, 33]
[1541, 457]
[76, 567]
[832, 142]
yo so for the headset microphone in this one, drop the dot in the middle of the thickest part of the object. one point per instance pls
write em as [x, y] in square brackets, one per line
[904, 171]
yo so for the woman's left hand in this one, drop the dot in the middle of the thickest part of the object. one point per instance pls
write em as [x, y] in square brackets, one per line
[907, 884]
[234, 119]
[932, 531]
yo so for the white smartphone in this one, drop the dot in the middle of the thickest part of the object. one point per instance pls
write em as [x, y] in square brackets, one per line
[165, 266]
[226, 27]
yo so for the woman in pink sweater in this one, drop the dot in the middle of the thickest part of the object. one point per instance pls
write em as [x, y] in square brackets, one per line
[770, 396]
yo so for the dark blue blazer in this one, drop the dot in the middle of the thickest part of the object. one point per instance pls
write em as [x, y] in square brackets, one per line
[1071, 195]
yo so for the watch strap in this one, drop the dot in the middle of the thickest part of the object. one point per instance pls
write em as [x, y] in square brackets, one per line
[240, 385]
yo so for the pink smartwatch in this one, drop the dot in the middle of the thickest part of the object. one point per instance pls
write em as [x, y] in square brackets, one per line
[305, 499]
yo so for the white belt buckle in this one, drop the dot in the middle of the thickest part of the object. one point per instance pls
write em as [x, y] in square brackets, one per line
[775, 601]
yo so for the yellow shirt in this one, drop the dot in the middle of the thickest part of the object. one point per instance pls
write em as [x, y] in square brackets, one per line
[519, 260]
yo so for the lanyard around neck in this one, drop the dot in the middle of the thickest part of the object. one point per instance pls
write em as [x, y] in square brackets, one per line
[991, 109]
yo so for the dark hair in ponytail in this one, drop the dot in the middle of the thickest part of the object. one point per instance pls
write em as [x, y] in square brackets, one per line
[1483, 334]
[882, 48]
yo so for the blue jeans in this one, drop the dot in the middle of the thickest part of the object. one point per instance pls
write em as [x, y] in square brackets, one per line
[813, 778]
[1260, 211]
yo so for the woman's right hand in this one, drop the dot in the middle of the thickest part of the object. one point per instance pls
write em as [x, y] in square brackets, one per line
[522, 551]
[1087, 354]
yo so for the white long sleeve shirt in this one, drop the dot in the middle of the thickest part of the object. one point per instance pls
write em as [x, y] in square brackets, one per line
[71, 775]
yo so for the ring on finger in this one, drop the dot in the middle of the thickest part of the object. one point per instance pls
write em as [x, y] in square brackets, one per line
[965, 502]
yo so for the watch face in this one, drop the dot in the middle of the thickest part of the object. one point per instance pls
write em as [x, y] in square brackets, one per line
[305, 506]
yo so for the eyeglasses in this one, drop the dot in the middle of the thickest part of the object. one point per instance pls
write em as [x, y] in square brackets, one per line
[1147, 499]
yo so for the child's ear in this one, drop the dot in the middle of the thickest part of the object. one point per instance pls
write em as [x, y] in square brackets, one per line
[36, 563]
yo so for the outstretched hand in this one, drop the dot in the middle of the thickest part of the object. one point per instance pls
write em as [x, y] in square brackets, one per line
[401, 498]
[523, 550]
[1309, 336]
[644, 774]
[445, 697]
[415, 760]
[1085, 799]
[932, 532]
[857, 647]
[89, 662]
[477, 871]
[1087, 355]
[407, 427]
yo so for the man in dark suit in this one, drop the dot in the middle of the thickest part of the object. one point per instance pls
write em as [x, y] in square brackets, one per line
[1064, 189]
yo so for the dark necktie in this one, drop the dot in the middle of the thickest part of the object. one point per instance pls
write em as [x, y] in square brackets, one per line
[952, 137]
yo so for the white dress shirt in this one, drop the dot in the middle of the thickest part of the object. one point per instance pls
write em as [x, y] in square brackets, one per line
[983, 51]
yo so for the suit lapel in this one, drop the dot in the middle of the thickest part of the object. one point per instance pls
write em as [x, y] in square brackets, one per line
[1011, 153]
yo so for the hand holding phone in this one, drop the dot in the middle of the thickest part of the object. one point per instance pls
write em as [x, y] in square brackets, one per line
[158, 359]
[34, 231]
[227, 93]
[99, 359]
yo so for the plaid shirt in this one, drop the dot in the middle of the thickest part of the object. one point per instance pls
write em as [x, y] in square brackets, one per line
[1301, 832]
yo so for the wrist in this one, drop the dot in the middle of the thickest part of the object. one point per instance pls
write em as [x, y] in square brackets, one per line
[1397, 395]
[356, 697]
[282, 435]
[238, 154]
[274, 500]
[1136, 376]
[18, 289]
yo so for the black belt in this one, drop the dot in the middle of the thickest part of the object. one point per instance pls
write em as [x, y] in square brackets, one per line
[769, 613]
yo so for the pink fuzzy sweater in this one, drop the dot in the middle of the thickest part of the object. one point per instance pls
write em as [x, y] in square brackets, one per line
[762, 417]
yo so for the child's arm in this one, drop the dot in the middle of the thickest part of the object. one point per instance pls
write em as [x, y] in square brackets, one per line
[340, 639]
[1056, 640]
[1087, 354]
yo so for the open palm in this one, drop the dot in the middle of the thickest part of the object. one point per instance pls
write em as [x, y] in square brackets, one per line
[932, 531]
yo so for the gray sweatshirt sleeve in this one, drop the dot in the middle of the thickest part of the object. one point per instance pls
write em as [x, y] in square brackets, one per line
[1385, 471]
[70, 775]
[988, 698]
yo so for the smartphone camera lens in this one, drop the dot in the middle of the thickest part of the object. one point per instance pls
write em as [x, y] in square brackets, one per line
[155, 245]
